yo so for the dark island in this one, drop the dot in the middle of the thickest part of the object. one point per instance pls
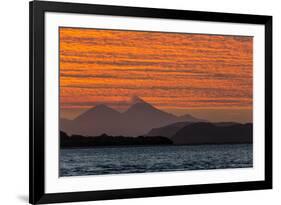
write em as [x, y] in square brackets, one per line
[74, 141]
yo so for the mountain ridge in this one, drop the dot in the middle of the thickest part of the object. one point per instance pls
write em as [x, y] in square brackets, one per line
[138, 119]
[209, 133]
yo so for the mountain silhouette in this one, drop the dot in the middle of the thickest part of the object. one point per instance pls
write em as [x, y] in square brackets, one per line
[137, 120]
[168, 130]
[102, 112]
[141, 117]
[190, 118]
[99, 119]
[171, 129]
[214, 133]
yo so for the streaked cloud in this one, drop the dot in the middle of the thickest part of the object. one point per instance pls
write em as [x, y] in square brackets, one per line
[173, 71]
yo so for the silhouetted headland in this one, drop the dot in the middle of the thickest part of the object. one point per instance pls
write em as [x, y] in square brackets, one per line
[214, 133]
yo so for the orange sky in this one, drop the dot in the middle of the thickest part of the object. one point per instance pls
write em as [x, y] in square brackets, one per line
[177, 72]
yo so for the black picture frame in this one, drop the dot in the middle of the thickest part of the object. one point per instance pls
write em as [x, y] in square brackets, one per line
[37, 9]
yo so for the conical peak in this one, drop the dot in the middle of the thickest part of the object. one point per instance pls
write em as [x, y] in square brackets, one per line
[136, 99]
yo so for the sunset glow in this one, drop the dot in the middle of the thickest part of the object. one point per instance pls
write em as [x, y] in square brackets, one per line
[176, 72]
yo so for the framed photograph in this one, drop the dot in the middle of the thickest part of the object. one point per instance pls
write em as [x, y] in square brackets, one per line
[140, 102]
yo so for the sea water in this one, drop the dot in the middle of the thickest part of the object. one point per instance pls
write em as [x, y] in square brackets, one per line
[117, 160]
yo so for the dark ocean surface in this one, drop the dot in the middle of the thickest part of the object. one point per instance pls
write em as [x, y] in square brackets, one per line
[117, 160]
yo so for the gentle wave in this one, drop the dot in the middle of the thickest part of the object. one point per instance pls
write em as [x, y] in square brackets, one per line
[117, 160]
